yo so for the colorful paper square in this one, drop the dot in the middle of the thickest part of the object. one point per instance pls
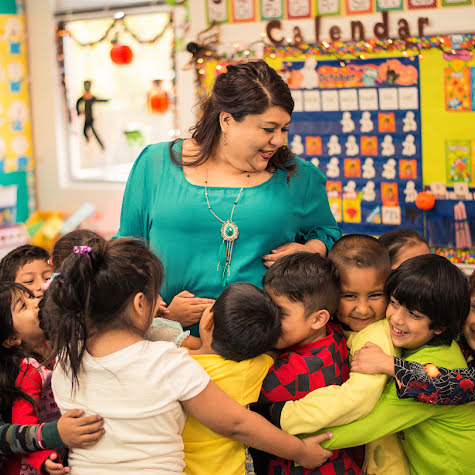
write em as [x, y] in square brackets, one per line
[299, 9]
[416, 4]
[243, 10]
[457, 90]
[313, 145]
[352, 167]
[334, 189]
[217, 11]
[354, 7]
[457, 161]
[386, 122]
[389, 5]
[408, 169]
[369, 145]
[456, 3]
[272, 10]
[328, 7]
[391, 215]
[351, 210]
[389, 194]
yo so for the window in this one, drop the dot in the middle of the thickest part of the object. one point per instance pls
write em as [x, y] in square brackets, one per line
[122, 84]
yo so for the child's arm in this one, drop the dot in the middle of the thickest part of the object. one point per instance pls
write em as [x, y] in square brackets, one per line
[424, 382]
[29, 381]
[71, 430]
[216, 410]
[336, 405]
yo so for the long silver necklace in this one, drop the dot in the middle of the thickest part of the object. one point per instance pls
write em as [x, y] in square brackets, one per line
[229, 233]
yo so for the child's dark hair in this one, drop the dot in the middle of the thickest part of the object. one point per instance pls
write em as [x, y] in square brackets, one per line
[307, 278]
[432, 285]
[360, 250]
[246, 322]
[397, 239]
[10, 358]
[92, 293]
[64, 246]
[14, 260]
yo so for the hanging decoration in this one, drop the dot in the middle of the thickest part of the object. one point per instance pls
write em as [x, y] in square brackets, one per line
[359, 49]
[120, 54]
[157, 98]
[116, 23]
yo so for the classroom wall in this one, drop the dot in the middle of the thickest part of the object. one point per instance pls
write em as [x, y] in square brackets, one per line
[54, 190]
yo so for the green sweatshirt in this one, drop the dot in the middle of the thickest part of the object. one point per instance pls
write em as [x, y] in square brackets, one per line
[436, 439]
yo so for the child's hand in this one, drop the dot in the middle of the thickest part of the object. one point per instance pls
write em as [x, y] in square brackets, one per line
[77, 431]
[162, 308]
[315, 455]
[371, 359]
[53, 468]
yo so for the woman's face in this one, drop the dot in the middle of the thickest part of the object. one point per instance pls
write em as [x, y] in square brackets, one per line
[251, 143]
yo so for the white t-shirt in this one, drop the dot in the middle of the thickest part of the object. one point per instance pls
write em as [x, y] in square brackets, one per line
[137, 391]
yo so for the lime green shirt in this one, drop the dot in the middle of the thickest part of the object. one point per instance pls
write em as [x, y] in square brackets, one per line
[161, 206]
[436, 439]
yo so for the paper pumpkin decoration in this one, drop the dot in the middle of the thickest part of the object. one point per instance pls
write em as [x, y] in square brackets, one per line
[121, 54]
[425, 200]
[158, 102]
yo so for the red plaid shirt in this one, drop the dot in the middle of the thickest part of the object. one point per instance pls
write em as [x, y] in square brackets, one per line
[299, 371]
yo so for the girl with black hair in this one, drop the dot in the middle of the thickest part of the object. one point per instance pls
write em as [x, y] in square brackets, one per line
[426, 382]
[98, 311]
[25, 386]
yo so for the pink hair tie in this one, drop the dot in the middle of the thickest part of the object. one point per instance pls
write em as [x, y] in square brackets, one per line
[84, 250]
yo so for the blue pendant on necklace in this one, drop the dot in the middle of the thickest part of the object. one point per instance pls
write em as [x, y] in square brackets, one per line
[229, 231]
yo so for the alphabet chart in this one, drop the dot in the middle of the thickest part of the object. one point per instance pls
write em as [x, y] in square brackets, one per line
[359, 122]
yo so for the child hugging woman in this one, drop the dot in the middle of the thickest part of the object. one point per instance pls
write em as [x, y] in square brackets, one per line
[98, 311]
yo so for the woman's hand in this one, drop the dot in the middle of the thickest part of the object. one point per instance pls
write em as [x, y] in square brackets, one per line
[78, 431]
[54, 468]
[314, 245]
[371, 359]
[187, 309]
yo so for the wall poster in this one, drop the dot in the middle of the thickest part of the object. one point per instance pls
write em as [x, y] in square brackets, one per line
[359, 122]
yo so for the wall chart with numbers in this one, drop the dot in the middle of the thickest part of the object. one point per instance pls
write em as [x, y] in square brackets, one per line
[359, 122]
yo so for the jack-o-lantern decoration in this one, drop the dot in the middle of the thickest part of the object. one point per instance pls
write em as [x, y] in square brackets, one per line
[425, 200]
[157, 98]
[121, 54]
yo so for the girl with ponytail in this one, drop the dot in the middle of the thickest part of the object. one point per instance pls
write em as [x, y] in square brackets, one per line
[98, 311]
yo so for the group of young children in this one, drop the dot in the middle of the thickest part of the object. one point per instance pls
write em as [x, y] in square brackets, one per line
[366, 355]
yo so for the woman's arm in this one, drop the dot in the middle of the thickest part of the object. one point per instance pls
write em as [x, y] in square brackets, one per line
[424, 382]
[216, 410]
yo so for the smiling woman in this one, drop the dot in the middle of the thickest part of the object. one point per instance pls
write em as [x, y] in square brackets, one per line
[225, 204]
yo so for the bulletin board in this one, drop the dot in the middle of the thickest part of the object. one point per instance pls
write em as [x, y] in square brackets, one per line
[16, 154]
[381, 130]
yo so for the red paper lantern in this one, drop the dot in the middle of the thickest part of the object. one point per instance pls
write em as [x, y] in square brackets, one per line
[121, 54]
[425, 200]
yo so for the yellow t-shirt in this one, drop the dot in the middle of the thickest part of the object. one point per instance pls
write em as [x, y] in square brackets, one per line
[207, 452]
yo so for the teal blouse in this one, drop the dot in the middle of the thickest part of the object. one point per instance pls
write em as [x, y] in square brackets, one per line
[163, 207]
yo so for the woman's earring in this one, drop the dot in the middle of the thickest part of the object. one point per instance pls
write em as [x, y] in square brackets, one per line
[223, 139]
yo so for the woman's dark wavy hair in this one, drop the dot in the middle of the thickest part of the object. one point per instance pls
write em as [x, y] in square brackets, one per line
[432, 285]
[246, 88]
[92, 293]
[10, 358]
